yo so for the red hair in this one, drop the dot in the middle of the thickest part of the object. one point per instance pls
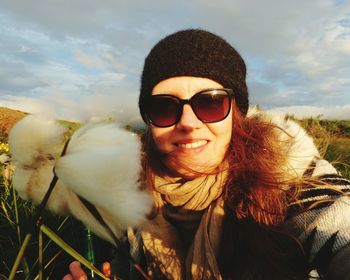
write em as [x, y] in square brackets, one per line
[256, 185]
[255, 198]
[257, 195]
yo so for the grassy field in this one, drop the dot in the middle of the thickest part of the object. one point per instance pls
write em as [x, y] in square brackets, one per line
[333, 140]
[16, 215]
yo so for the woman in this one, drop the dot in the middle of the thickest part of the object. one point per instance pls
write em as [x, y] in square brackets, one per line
[236, 196]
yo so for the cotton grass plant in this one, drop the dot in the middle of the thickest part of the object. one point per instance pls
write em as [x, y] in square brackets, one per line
[16, 219]
[101, 164]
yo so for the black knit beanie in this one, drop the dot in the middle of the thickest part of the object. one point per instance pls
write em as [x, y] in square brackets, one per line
[195, 53]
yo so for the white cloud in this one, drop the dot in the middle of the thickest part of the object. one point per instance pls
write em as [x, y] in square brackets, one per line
[325, 112]
[88, 60]
[25, 104]
[297, 52]
[82, 108]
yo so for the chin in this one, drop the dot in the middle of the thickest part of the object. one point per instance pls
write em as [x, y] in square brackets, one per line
[190, 167]
[195, 170]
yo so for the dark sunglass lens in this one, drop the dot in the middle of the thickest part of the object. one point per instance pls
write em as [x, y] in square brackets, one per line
[162, 110]
[211, 106]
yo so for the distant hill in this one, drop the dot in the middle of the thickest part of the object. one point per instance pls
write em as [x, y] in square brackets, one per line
[8, 117]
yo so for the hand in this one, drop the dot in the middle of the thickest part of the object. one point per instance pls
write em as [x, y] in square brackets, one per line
[77, 273]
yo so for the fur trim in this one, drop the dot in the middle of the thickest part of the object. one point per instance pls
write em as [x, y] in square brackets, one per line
[323, 167]
[297, 144]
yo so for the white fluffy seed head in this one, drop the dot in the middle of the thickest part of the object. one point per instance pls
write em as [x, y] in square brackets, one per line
[102, 164]
[34, 137]
[101, 134]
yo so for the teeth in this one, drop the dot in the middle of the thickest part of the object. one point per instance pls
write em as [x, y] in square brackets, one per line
[193, 145]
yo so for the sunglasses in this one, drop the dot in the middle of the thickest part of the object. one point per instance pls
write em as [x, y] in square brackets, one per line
[209, 106]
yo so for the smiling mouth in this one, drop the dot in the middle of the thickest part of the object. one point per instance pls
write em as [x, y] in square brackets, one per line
[192, 145]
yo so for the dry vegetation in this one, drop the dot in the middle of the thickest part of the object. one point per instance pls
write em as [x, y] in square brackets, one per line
[8, 118]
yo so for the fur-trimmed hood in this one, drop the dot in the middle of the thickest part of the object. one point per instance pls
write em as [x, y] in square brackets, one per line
[298, 146]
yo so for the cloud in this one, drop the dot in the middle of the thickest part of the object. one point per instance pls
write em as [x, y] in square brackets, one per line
[88, 60]
[289, 48]
[325, 112]
[82, 108]
[297, 52]
[16, 77]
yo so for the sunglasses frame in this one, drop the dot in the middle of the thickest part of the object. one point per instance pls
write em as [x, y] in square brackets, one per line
[182, 102]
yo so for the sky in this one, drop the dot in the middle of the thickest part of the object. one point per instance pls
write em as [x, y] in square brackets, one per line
[82, 59]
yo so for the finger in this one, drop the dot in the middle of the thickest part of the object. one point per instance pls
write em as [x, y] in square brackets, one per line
[106, 269]
[68, 277]
[77, 272]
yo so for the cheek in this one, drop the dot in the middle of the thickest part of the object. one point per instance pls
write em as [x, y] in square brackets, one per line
[223, 138]
[223, 130]
[162, 139]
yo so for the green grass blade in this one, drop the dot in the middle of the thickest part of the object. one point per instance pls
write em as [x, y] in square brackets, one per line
[48, 232]
[19, 256]
[40, 258]
[16, 215]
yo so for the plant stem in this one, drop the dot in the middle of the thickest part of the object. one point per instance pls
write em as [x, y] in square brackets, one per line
[40, 241]
[16, 215]
[70, 250]
[19, 256]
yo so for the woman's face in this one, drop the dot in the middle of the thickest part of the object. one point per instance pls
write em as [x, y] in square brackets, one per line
[191, 143]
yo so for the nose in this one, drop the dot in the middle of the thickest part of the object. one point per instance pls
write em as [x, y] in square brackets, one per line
[188, 120]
